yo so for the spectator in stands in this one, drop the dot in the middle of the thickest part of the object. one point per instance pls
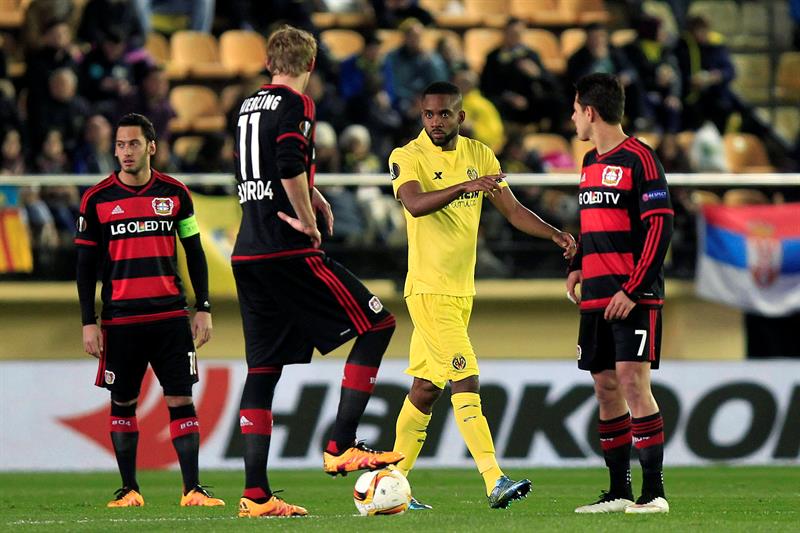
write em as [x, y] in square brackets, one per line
[355, 144]
[658, 70]
[197, 15]
[51, 158]
[151, 99]
[327, 149]
[101, 14]
[362, 86]
[105, 75]
[63, 110]
[598, 55]
[449, 49]
[706, 74]
[329, 106]
[40, 15]
[56, 51]
[13, 158]
[515, 78]
[409, 69]
[673, 158]
[9, 111]
[392, 13]
[482, 120]
[95, 155]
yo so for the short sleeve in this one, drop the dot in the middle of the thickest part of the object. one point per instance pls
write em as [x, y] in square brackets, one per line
[491, 165]
[402, 169]
[88, 227]
[187, 205]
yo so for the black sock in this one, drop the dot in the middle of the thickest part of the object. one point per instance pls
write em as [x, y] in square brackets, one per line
[360, 373]
[185, 432]
[648, 437]
[125, 438]
[615, 440]
[255, 420]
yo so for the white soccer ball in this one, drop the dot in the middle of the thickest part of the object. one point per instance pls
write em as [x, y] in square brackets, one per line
[382, 492]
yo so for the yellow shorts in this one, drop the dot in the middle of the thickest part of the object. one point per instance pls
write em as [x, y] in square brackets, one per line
[440, 347]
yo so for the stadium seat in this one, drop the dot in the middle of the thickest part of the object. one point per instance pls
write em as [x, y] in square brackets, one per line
[186, 147]
[752, 80]
[478, 42]
[663, 12]
[700, 197]
[196, 53]
[342, 43]
[12, 13]
[390, 39]
[685, 140]
[744, 152]
[543, 12]
[585, 11]
[323, 19]
[354, 20]
[579, 149]
[547, 46]
[197, 109]
[243, 52]
[740, 197]
[432, 36]
[723, 15]
[492, 13]
[548, 143]
[755, 26]
[158, 47]
[787, 123]
[650, 138]
[623, 37]
[788, 77]
[572, 39]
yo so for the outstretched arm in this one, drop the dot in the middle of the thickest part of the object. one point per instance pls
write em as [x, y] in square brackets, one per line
[420, 203]
[529, 222]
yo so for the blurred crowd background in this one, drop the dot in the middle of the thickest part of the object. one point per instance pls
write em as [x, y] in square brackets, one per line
[713, 86]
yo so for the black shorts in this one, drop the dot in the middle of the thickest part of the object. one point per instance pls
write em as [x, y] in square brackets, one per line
[166, 345]
[637, 338]
[291, 306]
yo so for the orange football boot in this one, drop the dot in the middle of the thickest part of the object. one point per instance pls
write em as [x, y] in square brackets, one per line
[358, 457]
[272, 507]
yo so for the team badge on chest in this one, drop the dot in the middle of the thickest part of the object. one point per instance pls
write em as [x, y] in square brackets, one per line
[472, 173]
[612, 176]
[163, 206]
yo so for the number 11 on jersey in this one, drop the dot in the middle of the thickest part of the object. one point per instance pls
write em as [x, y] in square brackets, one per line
[251, 190]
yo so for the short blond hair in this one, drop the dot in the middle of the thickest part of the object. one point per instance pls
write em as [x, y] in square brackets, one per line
[290, 51]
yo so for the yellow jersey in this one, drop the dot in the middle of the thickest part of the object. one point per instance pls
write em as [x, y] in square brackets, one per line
[442, 245]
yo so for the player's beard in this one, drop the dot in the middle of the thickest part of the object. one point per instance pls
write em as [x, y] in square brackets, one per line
[447, 138]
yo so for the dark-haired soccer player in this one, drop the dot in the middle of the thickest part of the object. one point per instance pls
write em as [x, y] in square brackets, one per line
[441, 178]
[626, 225]
[293, 297]
[126, 230]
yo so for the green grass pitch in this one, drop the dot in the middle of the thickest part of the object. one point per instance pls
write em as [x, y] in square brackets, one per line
[718, 499]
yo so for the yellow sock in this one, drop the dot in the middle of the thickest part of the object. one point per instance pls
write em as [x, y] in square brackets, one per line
[410, 433]
[475, 431]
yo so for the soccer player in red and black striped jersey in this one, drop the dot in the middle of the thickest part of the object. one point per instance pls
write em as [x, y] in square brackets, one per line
[294, 298]
[626, 225]
[126, 233]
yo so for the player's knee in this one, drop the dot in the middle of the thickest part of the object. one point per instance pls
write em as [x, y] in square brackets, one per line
[606, 389]
[177, 401]
[468, 384]
[424, 394]
[124, 399]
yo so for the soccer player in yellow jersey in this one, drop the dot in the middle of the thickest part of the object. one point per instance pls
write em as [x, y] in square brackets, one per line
[442, 178]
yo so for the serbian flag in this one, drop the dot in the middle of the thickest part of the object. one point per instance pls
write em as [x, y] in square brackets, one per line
[749, 257]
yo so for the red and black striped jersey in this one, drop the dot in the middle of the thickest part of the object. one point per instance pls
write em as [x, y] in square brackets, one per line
[275, 141]
[134, 229]
[626, 225]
